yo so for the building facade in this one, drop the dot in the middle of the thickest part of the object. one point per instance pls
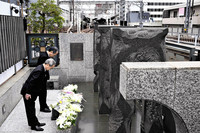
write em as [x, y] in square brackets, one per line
[154, 8]
[175, 16]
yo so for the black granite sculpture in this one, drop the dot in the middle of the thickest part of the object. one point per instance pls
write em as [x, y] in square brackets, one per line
[112, 46]
[101, 67]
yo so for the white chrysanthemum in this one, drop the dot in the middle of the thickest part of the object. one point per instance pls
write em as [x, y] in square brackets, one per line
[71, 87]
[76, 107]
[69, 114]
[68, 124]
[77, 98]
[76, 87]
[72, 97]
[63, 107]
[60, 121]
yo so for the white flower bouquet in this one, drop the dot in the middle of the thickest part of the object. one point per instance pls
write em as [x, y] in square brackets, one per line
[68, 106]
[71, 87]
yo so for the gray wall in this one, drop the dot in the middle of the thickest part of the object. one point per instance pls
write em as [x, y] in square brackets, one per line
[10, 93]
[175, 84]
[75, 71]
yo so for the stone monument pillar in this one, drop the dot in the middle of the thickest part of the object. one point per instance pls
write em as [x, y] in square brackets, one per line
[114, 45]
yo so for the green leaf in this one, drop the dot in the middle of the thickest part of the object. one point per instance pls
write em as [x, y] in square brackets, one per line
[45, 16]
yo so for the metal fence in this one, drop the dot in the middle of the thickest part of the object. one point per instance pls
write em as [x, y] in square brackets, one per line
[12, 41]
[176, 35]
[177, 30]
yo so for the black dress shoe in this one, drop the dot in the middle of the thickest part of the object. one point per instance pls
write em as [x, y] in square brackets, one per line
[41, 124]
[45, 110]
[36, 128]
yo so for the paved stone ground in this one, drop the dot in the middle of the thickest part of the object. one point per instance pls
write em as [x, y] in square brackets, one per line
[89, 122]
[17, 121]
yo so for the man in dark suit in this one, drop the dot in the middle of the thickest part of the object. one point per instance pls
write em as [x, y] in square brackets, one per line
[34, 85]
[53, 51]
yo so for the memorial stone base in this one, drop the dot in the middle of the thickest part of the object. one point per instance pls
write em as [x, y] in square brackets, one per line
[172, 84]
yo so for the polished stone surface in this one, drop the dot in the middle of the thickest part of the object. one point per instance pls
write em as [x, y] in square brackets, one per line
[89, 122]
[175, 84]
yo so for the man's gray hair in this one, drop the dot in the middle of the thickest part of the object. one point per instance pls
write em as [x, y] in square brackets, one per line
[50, 61]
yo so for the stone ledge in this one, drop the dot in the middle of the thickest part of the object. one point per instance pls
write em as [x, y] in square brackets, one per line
[161, 65]
[55, 80]
[9, 83]
[10, 92]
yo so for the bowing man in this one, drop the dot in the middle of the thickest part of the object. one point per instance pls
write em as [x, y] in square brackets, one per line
[34, 85]
[53, 51]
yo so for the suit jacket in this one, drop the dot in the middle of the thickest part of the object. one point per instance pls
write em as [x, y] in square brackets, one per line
[43, 57]
[36, 81]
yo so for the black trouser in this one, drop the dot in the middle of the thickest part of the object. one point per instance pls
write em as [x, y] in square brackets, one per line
[30, 110]
[43, 98]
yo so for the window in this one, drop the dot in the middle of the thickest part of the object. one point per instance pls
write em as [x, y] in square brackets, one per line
[150, 3]
[76, 51]
[155, 10]
[175, 14]
[161, 4]
[156, 16]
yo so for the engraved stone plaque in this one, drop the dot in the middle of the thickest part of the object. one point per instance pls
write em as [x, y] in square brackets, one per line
[76, 51]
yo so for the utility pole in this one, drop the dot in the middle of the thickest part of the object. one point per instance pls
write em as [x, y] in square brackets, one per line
[115, 12]
[73, 11]
[115, 7]
[122, 10]
[187, 16]
[141, 13]
[192, 12]
[21, 1]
